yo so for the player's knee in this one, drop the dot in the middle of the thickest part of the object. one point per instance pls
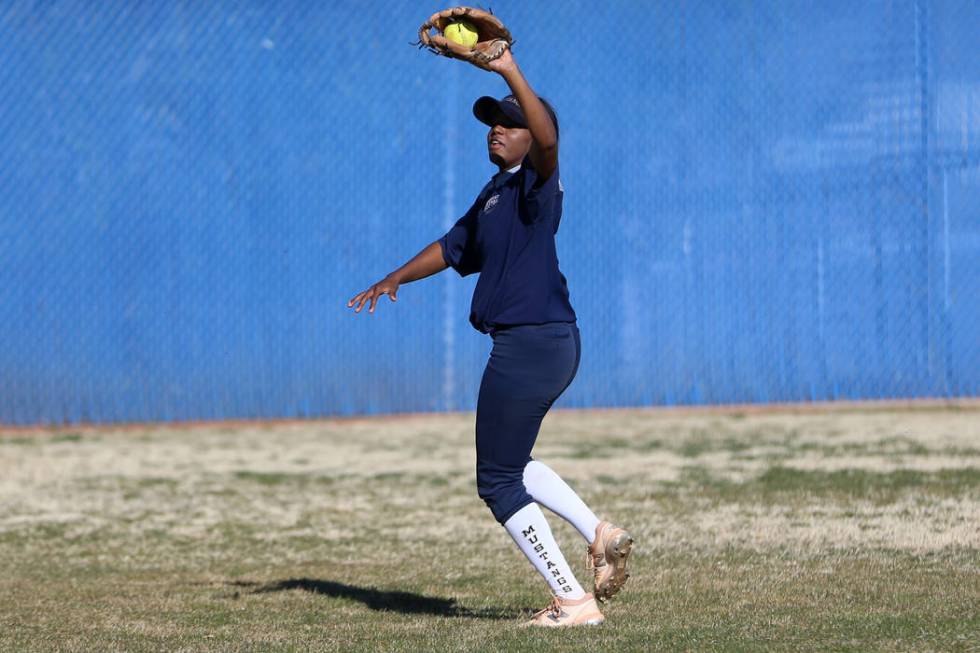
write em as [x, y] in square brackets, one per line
[504, 495]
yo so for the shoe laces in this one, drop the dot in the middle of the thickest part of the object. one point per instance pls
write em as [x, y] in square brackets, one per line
[553, 608]
[594, 560]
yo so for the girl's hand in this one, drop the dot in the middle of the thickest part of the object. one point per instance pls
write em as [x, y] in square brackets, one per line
[503, 64]
[387, 286]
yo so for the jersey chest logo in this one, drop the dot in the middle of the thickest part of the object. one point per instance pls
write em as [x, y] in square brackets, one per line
[492, 202]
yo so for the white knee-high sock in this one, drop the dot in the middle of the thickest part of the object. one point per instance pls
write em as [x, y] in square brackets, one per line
[547, 488]
[531, 532]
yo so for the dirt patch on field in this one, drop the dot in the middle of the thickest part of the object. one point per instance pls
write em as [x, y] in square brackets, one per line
[881, 479]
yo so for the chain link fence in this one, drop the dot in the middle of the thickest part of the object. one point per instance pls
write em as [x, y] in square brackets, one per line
[765, 202]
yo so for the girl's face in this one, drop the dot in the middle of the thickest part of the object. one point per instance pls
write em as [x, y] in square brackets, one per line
[508, 146]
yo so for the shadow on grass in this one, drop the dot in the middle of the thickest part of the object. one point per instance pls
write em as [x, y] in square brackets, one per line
[402, 602]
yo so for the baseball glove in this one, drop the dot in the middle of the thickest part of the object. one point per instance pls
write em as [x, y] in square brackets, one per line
[492, 40]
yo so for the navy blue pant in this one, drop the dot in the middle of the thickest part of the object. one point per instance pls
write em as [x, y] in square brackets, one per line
[529, 367]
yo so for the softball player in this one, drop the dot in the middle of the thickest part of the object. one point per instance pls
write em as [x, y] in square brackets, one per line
[521, 301]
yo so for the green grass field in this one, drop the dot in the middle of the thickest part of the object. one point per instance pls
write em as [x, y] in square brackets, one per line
[839, 530]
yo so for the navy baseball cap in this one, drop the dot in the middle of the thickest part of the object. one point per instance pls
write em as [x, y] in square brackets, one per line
[507, 112]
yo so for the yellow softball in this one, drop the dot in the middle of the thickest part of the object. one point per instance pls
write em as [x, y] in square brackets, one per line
[462, 32]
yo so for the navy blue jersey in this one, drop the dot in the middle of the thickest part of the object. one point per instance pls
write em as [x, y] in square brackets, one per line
[508, 236]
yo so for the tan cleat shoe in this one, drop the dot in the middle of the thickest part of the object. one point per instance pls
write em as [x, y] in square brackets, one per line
[608, 557]
[568, 612]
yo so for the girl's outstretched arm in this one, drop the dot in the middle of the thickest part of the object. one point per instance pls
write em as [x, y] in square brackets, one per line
[544, 149]
[424, 264]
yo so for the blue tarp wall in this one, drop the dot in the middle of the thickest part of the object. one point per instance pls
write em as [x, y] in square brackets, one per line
[765, 202]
